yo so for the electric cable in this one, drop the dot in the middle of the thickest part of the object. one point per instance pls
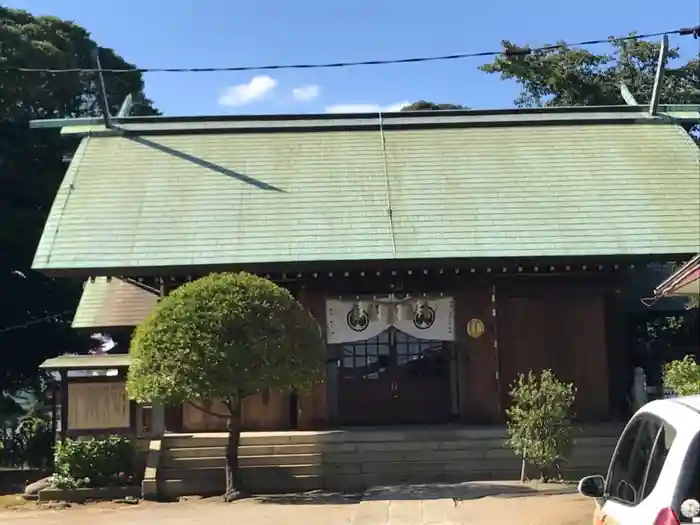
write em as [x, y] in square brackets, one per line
[515, 51]
[36, 321]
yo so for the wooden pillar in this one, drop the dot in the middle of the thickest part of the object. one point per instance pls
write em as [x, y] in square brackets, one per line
[477, 362]
[332, 390]
[313, 406]
[64, 404]
[618, 358]
[54, 409]
[454, 382]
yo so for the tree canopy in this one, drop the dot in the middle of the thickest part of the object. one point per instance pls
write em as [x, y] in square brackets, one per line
[423, 105]
[682, 377]
[225, 336]
[31, 169]
[578, 77]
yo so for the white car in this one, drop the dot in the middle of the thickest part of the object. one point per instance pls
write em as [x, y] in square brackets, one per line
[654, 473]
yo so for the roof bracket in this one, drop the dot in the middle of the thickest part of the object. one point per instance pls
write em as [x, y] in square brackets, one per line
[658, 79]
[127, 105]
[627, 95]
[102, 95]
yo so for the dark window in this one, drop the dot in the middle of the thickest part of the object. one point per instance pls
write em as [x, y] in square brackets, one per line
[392, 349]
[367, 359]
[639, 459]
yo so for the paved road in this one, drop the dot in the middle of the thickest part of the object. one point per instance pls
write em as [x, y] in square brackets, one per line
[481, 505]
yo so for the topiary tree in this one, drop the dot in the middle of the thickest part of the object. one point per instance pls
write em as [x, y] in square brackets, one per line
[225, 336]
[682, 377]
[539, 421]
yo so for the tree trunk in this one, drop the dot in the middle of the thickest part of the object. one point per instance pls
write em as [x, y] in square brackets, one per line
[234, 487]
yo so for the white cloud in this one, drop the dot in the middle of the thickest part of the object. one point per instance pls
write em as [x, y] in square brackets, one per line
[306, 93]
[258, 88]
[366, 108]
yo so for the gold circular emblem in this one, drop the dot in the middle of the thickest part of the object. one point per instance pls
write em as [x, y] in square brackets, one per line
[475, 328]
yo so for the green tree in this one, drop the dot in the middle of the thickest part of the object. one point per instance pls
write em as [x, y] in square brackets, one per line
[682, 377]
[422, 105]
[539, 420]
[31, 169]
[225, 336]
[578, 77]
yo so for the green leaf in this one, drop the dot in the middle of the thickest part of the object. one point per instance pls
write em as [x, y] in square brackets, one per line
[539, 418]
[682, 377]
[225, 336]
[31, 169]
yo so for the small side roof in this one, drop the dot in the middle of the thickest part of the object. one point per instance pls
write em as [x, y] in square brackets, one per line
[111, 303]
[86, 362]
[684, 282]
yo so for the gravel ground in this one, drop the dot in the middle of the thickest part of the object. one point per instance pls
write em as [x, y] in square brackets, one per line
[464, 504]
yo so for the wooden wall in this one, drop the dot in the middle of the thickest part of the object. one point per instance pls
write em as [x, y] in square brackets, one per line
[262, 411]
[530, 323]
[270, 410]
[558, 324]
[312, 407]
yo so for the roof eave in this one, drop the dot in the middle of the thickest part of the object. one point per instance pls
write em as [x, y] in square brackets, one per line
[679, 114]
[82, 362]
[304, 266]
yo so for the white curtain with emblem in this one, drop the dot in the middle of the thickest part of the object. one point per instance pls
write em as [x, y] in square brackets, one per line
[436, 322]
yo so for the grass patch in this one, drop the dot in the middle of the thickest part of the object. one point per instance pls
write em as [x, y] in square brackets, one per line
[12, 501]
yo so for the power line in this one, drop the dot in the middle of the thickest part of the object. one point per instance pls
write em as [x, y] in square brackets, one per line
[35, 321]
[516, 51]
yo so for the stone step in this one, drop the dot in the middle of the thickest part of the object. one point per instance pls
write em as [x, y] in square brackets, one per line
[244, 461]
[246, 450]
[365, 452]
[247, 471]
[313, 464]
[338, 436]
[407, 467]
[414, 439]
[181, 446]
[214, 485]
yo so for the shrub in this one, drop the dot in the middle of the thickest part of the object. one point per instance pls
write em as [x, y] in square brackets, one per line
[225, 336]
[37, 440]
[539, 420]
[682, 377]
[26, 443]
[94, 462]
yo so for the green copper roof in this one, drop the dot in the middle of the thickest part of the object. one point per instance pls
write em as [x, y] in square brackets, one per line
[252, 196]
[109, 303]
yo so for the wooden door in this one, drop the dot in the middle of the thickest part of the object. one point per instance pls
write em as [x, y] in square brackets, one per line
[421, 371]
[562, 332]
[393, 378]
[365, 381]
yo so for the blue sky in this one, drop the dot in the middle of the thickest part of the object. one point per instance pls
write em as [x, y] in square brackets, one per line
[203, 33]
